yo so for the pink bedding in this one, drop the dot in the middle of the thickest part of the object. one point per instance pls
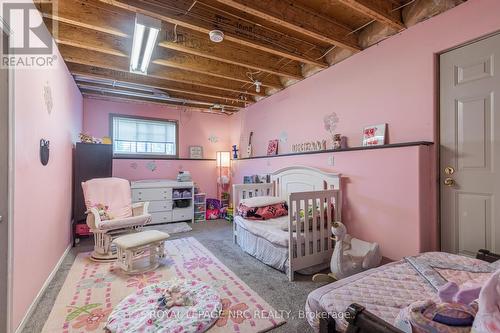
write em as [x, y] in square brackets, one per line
[385, 290]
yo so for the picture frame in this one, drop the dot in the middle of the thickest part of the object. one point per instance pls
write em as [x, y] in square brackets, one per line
[196, 152]
[272, 147]
[374, 135]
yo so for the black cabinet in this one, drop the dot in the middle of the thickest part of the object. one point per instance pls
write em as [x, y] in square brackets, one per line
[91, 161]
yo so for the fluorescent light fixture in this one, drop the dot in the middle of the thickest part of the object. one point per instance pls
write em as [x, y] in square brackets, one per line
[148, 52]
[145, 34]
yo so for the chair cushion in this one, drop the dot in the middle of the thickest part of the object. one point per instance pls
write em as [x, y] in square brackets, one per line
[124, 223]
[112, 192]
[140, 239]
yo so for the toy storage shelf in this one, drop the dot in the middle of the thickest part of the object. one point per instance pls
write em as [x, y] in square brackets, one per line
[200, 207]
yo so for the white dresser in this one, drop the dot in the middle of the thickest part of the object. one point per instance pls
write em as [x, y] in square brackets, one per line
[169, 200]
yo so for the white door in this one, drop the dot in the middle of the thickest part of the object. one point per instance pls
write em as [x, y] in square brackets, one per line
[4, 190]
[470, 147]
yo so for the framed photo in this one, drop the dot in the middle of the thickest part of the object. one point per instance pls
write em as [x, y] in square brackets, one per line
[272, 148]
[196, 152]
[374, 135]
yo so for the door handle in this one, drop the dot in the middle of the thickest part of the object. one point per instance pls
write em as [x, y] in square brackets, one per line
[449, 170]
[1, 218]
[449, 182]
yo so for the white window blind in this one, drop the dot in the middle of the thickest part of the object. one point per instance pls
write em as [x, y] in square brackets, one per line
[136, 136]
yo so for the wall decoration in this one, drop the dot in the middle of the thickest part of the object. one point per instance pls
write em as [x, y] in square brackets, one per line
[309, 146]
[151, 166]
[337, 141]
[47, 97]
[44, 151]
[374, 135]
[283, 137]
[249, 147]
[213, 138]
[330, 122]
[235, 152]
[272, 147]
[133, 165]
[196, 152]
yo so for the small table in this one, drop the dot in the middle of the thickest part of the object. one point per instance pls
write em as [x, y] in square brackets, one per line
[132, 248]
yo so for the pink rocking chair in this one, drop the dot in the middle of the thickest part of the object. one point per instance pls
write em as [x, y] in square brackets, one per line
[110, 213]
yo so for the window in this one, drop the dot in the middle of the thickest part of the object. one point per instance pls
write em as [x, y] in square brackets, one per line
[136, 136]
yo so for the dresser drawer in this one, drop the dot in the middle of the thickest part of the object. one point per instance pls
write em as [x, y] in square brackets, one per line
[161, 217]
[180, 214]
[160, 206]
[151, 194]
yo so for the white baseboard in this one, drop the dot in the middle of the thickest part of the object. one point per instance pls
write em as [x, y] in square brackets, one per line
[42, 290]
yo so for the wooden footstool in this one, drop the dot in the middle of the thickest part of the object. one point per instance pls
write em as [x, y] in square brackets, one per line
[132, 248]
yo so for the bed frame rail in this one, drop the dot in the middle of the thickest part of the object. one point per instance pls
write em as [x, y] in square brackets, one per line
[311, 244]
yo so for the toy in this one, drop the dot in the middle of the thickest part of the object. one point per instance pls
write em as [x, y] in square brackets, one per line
[488, 317]
[213, 209]
[454, 313]
[350, 255]
[103, 212]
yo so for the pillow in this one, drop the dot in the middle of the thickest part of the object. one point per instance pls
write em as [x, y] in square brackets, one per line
[263, 213]
[261, 201]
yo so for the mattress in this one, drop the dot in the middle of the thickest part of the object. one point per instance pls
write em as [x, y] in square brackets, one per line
[266, 241]
[268, 229]
[387, 289]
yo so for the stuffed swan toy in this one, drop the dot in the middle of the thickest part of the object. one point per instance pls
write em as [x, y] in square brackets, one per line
[350, 255]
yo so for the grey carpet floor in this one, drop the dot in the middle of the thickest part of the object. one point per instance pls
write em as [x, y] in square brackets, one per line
[269, 283]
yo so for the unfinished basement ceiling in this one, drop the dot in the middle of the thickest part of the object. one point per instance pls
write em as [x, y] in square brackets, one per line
[267, 43]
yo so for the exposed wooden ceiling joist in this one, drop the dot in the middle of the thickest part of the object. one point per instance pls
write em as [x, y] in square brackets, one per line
[83, 14]
[97, 88]
[296, 18]
[85, 57]
[197, 44]
[113, 97]
[379, 10]
[202, 20]
[197, 64]
[163, 84]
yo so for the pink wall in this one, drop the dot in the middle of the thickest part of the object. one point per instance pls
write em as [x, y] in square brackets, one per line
[42, 194]
[393, 82]
[195, 128]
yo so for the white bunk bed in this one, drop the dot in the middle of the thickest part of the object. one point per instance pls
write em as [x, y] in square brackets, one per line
[304, 251]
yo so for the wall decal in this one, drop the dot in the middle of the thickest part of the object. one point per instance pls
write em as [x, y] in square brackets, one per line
[213, 138]
[283, 137]
[133, 165]
[330, 122]
[151, 166]
[47, 97]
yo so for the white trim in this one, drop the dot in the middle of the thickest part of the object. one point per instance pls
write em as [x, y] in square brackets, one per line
[11, 178]
[33, 305]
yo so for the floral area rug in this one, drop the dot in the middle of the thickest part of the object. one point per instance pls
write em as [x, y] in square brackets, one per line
[91, 290]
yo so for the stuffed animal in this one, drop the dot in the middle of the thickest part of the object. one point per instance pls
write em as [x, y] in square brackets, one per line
[174, 296]
[104, 214]
[488, 317]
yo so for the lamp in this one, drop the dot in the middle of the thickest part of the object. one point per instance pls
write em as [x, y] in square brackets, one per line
[223, 162]
[223, 159]
[145, 34]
